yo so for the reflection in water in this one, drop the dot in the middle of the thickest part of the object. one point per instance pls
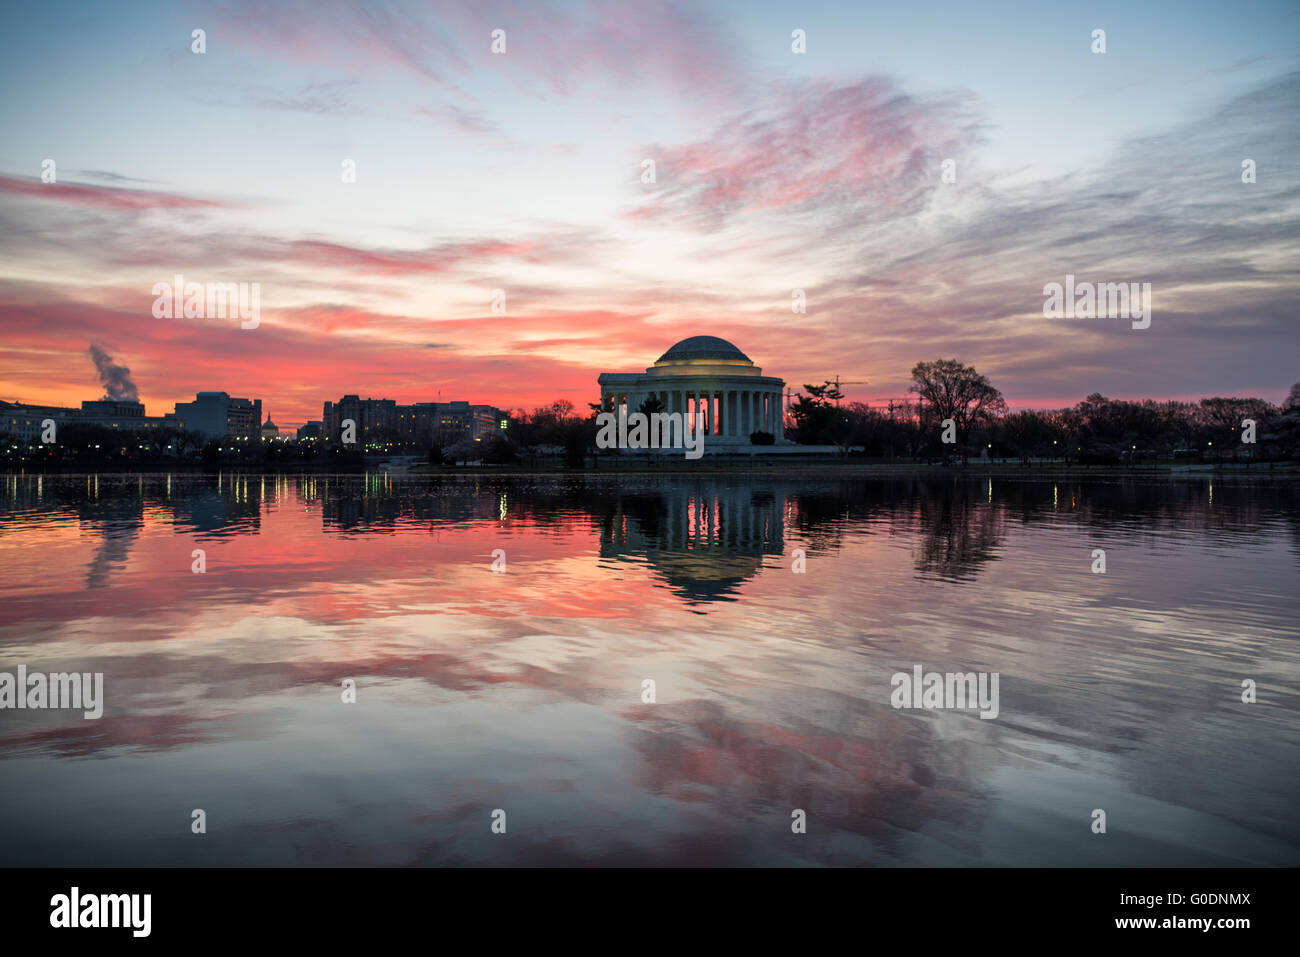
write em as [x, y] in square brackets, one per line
[961, 531]
[523, 690]
[703, 537]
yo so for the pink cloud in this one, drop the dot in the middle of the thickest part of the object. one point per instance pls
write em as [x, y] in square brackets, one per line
[564, 45]
[866, 150]
[106, 197]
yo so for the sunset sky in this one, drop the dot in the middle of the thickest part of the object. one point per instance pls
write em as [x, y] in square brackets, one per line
[523, 172]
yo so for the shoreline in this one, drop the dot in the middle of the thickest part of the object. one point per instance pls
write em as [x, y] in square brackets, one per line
[807, 468]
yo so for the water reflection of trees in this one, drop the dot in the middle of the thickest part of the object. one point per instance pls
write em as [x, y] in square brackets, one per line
[964, 518]
[956, 534]
[956, 526]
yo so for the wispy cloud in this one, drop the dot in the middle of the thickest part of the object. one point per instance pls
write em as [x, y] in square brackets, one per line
[105, 197]
[863, 152]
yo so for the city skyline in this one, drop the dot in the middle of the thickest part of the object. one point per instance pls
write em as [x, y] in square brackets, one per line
[523, 172]
[112, 376]
[210, 413]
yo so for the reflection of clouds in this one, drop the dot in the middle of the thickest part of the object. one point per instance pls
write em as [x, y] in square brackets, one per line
[862, 772]
[150, 732]
[873, 783]
[777, 699]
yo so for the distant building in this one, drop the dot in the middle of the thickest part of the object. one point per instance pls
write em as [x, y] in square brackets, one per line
[311, 431]
[375, 418]
[24, 421]
[217, 415]
[112, 409]
[418, 423]
[459, 420]
[270, 431]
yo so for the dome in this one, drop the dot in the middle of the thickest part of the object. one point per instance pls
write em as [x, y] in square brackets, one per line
[703, 347]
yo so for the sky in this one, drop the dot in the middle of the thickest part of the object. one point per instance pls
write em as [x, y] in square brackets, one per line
[522, 171]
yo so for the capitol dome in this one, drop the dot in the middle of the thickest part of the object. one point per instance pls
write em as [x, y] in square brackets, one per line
[709, 348]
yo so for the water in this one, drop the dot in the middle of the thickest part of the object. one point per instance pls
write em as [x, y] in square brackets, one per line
[522, 691]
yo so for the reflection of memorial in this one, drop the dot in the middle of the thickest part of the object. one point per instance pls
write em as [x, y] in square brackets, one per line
[704, 537]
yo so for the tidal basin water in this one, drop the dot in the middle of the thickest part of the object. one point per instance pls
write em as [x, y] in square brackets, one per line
[522, 690]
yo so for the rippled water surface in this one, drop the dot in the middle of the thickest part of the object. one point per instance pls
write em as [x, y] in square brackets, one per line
[523, 690]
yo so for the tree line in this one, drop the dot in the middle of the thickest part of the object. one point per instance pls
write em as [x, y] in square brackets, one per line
[1096, 430]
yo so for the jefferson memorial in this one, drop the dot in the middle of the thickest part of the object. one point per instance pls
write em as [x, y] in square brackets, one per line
[710, 375]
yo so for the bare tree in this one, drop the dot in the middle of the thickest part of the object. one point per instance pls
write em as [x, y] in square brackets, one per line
[955, 391]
